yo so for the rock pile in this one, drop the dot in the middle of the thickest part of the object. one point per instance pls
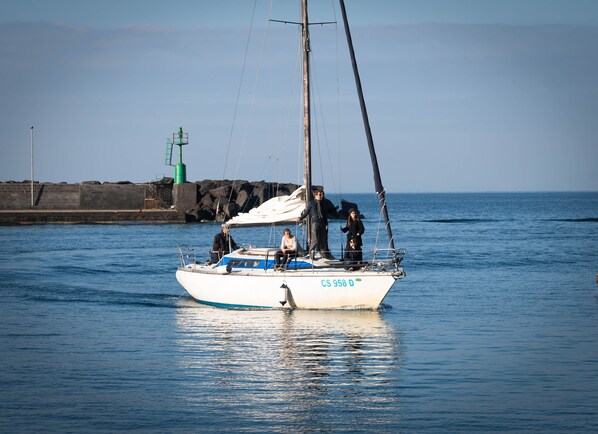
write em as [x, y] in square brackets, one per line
[222, 200]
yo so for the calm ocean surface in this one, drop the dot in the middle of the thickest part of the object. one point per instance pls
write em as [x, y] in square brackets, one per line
[495, 328]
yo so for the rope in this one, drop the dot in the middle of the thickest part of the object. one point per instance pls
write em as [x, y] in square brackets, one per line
[380, 218]
[316, 113]
[230, 138]
[232, 128]
[338, 108]
[253, 93]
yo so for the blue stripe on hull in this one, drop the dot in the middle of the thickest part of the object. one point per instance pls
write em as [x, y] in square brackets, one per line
[241, 262]
[232, 306]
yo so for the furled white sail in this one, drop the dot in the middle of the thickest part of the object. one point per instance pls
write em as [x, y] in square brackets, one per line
[276, 210]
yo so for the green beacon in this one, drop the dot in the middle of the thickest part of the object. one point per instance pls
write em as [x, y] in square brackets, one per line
[180, 139]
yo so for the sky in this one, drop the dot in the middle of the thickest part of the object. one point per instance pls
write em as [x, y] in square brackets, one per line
[462, 95]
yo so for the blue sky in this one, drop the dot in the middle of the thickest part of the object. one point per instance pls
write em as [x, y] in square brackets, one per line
[474, 95]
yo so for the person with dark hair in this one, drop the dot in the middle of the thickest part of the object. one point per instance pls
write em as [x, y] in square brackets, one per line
[288, 250]
[223, 242]
[318, 210]
[354, 228]
[353, 256]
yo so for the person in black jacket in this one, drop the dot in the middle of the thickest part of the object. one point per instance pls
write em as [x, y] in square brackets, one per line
[354, 228]
[318, 210]
[353, 256]
[223, 242]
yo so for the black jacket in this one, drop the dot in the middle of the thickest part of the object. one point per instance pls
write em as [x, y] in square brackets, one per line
[321, 215]
[353, 259]
[354, 228]
[221, 241]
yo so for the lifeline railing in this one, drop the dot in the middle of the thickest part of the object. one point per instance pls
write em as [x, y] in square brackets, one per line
[380, 260]
[186, 256]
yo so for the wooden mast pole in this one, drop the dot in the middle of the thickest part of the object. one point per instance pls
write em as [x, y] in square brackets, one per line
[306, 115]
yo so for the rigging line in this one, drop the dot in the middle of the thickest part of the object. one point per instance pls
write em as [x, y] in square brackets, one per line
[386, 224]
[281, 144]
[270, 159]
[290, 106]
[338, 100]
[251, 106]
[338, 115]
[253, 94]
[232, 128]
[366, 123]
[274, 146]
[321, 115]
[316, 126]
[299, 73]
[326, 142]
[317, 141]
[314, 117]
[230, 196]
[380, 218]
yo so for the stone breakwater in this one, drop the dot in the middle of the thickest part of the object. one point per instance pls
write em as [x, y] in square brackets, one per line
[222, 200]
[124, 201]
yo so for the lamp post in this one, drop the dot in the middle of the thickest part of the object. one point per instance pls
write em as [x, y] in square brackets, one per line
[32, 167]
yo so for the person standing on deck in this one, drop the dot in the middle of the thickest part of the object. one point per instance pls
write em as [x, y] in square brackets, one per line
[223, 242]
[354, 228]
[317, 209]
[329, 206]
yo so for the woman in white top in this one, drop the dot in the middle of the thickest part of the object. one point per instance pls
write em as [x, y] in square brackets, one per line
[288, 249]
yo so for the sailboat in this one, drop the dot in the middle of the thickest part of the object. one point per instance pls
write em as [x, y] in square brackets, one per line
[248, 278]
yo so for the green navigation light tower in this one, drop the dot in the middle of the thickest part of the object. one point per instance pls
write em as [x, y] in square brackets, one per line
[180, 139]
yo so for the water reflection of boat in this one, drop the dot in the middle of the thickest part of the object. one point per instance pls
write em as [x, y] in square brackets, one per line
[289, 357]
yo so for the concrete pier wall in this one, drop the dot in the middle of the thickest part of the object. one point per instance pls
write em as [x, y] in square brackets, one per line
[17, 196]
[112, 196]
[107, 196]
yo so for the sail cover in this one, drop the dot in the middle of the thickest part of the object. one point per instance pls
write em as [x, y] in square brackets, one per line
[276, 210]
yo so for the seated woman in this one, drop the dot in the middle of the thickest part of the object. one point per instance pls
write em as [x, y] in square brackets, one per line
[353, 256]
[288, 249]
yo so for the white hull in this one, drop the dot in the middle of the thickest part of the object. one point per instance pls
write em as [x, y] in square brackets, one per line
[307, 289]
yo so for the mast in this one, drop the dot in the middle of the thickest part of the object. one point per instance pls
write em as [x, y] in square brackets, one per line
[366, 123]
[306, 114]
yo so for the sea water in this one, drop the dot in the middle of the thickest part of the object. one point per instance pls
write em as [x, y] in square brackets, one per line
[495, 328]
